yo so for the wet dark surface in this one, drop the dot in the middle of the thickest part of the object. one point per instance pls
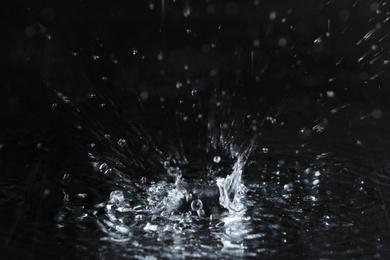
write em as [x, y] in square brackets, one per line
[123, 97]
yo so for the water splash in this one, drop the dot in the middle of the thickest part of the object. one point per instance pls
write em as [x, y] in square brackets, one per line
[231, 189]
[204, 198]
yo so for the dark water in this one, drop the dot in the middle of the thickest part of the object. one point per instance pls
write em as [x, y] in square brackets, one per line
[124, 125]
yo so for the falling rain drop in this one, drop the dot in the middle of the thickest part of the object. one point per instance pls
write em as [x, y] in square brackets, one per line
[217, 159]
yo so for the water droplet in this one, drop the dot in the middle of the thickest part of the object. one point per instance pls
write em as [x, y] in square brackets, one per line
[144, 95]
[122, 142]
[200, 212]
[265, 150]
[179, 85]
[82, 195]
[150, 227]
[231, 8]
[135, 51]
[273, 15]
[108, 171]
[151, 5]
[95, 57]
[282, 42]
[310, 198]
[330, 94]
[318, 40]
[288, 187]
[376, 113]
[103, 167]
[217, 159]
[210, 9]
[160, 56]
[196, 205]
[116, 197]
[30, 31]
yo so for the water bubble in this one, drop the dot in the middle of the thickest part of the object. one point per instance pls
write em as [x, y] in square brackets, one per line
[217, 159]
[196, 205]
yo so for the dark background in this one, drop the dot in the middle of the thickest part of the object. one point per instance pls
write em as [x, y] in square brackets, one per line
[54, 55]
